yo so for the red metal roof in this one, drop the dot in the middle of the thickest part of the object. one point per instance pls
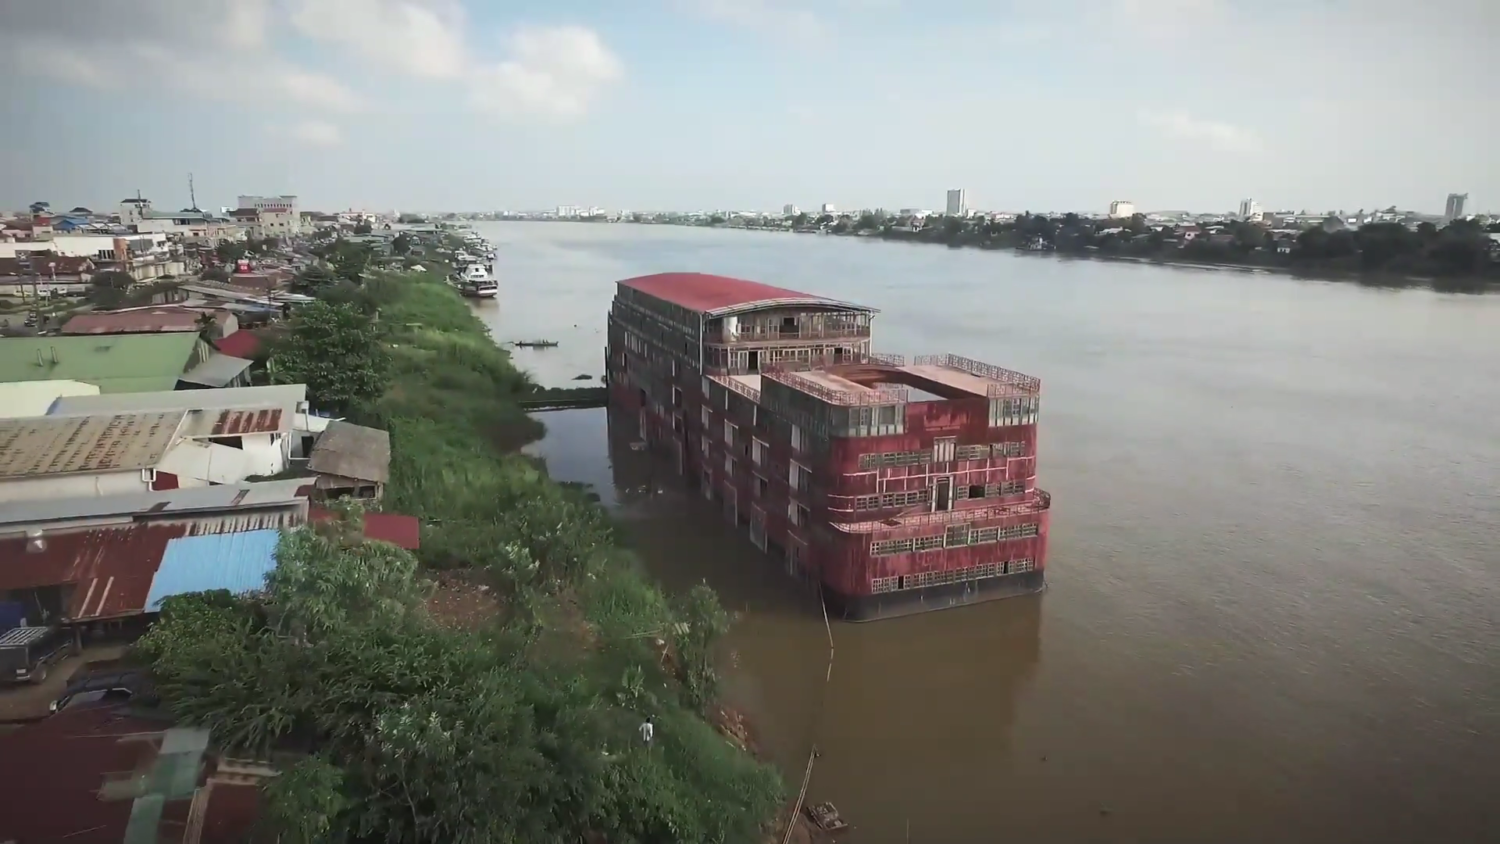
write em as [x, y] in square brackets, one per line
[232, 422]
[395, 528]
[240, 344]
[55, 795]
[70, 756]
[702, 292]
[110, 568]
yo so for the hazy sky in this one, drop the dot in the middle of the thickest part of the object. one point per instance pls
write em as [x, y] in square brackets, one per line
[647, 104]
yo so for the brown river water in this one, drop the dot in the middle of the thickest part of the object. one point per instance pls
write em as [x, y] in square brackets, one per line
[1274, 602]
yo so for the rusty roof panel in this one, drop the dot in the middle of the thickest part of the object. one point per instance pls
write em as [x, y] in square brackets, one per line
[53, 445]
[110, 568]
[233, 422]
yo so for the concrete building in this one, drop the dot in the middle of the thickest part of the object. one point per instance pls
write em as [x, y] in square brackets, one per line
[1250, 210]
[278, 216]
[1454, 209]
[958, 203]
[790, 210]
[1122, 208]
[828, 208]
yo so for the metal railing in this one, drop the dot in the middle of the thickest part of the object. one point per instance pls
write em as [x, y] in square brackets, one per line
[1011, 381]
[845, 398]
[753, 334]
[745, 390]
[1041, 502]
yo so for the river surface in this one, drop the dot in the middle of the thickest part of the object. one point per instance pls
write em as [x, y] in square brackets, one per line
[1274, 603]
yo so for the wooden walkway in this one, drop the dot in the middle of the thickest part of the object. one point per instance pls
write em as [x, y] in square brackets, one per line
[578, 399]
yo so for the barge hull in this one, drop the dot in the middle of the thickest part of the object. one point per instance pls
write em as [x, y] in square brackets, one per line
[858, 608]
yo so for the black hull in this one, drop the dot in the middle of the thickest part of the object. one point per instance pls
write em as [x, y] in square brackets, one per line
[858, 608]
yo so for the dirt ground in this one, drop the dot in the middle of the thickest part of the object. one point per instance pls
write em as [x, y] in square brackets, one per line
[461, 600]
[732, 724]
[25, 702]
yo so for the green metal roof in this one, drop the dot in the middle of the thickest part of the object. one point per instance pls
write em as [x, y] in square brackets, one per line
[115, 363]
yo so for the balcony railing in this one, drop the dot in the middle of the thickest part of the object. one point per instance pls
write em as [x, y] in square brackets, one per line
[775, 333]
[1040, 503]
[1011, 382]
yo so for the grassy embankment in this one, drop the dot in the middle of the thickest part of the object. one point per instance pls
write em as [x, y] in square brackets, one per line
[551, 555]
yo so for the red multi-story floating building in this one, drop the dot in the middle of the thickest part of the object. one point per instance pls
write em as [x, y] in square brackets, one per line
[899, 487]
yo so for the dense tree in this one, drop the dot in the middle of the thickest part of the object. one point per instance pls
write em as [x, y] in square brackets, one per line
[401, 244]
[363, 227]
[334, 350]
[349, 260]
[108, 289]
[411, 733]
[313, 279]
[218, 274]
[229, 251]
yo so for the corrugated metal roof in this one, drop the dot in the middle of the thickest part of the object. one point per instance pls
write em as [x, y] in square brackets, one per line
[231, 422]
[217, 371]
[238, 562]
[51, 445]
[35, 398]
[111, 568]
[286, 396]
[398, 529]
[352, 451]
[116, 363]
[133, 321]
[715, 294]
[241, 344]
[236, 499]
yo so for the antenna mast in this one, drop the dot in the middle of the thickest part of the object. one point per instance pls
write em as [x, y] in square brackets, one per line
[193, 197]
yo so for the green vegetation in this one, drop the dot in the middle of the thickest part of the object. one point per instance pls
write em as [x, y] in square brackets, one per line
[335, 350]
[523, 730]
[1459, 256]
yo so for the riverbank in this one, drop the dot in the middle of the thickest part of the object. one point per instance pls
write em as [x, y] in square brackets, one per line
[1207, 256]
[454, 410]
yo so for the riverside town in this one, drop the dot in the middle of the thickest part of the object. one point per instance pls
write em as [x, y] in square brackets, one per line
[280, 560]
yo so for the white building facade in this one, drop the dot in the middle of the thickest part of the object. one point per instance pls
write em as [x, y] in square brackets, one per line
[958, 203]
[279, 216]
[1122, 208]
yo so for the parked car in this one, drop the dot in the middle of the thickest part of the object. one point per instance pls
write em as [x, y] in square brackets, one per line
[111, 685]
[27, 652]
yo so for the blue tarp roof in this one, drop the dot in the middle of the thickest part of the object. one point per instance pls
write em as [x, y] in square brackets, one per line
[238, 562]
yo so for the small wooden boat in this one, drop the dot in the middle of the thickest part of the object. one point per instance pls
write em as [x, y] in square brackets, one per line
[825, 817]
[535, 344]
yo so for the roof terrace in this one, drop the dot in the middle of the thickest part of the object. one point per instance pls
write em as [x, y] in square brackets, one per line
[889, 379]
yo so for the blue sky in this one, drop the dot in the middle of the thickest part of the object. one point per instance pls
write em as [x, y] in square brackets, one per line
[653, 104]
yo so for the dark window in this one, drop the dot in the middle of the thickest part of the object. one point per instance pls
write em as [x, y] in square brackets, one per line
[976, 491]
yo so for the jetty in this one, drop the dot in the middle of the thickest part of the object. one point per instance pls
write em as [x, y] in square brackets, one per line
[578, 398]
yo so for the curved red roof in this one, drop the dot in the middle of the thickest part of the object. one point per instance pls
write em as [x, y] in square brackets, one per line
[706, 293]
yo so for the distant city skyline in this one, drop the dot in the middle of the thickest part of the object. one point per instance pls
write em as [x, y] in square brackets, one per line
[750, 103]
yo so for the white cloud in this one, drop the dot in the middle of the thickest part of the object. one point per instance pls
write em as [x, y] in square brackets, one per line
[214, 49]
[1224, 137]
[317, 133]
[552, 71]
[423, 38]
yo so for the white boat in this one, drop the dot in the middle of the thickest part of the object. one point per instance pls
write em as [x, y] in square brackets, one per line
[476, 281]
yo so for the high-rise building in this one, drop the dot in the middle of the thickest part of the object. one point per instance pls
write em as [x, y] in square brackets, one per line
[1455, 207]
[1249, 209]
[829, 209]
[958, 202]
[790, 210]
[1122, 208]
